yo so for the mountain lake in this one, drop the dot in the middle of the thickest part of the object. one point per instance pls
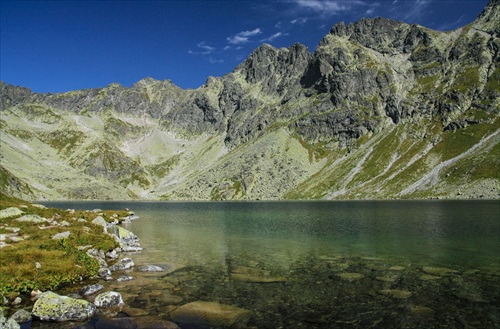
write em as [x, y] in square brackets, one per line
[313, 264]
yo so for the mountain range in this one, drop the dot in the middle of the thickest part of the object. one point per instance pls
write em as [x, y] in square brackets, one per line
[380, 110]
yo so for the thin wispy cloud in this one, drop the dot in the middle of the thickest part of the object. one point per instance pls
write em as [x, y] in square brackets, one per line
[417, 9]
[301, 20]
[451, 26]
[274, 36]
[206, 48]
[243, 37]
[328, 7]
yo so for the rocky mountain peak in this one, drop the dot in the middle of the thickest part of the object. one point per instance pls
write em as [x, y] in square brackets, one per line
[489, 19]
[371, 113]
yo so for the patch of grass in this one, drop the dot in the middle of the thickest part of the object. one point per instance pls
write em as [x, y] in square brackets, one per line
[61, 261]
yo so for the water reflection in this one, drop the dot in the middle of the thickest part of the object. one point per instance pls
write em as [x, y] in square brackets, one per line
[322, 264]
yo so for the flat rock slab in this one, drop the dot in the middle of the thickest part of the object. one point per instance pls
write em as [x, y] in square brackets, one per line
[256, 275]
[53, 307]
[211, 314]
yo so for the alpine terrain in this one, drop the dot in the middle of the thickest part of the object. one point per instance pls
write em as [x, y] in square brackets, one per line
[381, 109]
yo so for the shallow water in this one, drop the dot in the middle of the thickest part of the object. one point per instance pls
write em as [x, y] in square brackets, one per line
[381, 264]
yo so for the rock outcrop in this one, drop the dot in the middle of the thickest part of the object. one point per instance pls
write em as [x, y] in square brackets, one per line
[374, 109]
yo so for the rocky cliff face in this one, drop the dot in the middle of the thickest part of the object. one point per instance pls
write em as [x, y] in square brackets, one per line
[381, 109]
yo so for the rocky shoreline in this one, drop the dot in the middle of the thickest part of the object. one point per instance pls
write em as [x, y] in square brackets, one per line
[49, 306]
[94, 305]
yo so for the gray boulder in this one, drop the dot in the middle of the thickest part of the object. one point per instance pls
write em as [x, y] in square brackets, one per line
[109, 299]
[53, 307]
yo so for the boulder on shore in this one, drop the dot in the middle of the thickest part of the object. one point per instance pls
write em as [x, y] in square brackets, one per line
[109, 299]
[53, 307]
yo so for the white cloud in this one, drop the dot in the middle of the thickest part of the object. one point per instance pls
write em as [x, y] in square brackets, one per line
[243, 37]
[274, 36]
[206, 48]
[417, 9]
[215, 61]
[329, 7]
[301, 20]
[318, 5]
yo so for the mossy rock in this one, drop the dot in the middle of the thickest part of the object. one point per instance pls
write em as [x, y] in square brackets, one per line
[53, 307]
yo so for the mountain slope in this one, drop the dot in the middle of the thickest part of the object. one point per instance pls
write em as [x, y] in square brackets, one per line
[381, 109]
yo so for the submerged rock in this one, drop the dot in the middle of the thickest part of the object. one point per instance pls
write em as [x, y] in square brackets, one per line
[211, 314]
[123, 264]
[440, 271]
[91, 289]
[150, 268]
[53, 307]
[348, 276]
[249, 274]
[125, 278]
[394, 293]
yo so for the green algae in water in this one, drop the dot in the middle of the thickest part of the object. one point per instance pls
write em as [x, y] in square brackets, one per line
[340, 264]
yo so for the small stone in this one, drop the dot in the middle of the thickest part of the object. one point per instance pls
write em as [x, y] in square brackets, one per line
[421, 310]
[109, 299]
[104, 272]
[39, 206]
[62, 235]
[351, 276]
[17, 301]
[124, 278]
[397, 268]
[112, 255]
[35, 293]
[65, 223]
[21, 316]
[16, 239]
[394, 293]
[91, 289]
[428, 277]
[440, 271]
[38, 265]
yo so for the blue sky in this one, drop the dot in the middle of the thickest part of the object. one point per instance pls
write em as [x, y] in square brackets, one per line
[57, 46]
